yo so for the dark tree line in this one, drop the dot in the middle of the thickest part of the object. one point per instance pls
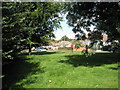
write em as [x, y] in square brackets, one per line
[105, 16]
[26, 24]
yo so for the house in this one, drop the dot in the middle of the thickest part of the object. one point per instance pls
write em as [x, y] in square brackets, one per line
[62, 44]
[81, 49]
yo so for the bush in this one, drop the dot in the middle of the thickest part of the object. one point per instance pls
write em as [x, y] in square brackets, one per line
[78, 44]
[64, 48]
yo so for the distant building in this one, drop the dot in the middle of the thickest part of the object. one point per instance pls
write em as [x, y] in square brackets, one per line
[84, 42]
[62, 44]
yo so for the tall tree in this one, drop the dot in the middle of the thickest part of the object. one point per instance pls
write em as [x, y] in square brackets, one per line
[28, 23]
[103, 15]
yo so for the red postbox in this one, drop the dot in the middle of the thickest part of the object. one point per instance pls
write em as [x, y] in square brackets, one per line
[72, 46]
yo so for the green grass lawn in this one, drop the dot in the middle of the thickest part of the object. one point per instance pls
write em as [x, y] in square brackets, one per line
[63, 70]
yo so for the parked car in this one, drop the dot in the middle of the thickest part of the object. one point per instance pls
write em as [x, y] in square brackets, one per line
[40, 49]
[107, 48]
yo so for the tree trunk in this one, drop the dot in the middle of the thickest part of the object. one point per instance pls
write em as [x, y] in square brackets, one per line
[86, 51]
[29, 49]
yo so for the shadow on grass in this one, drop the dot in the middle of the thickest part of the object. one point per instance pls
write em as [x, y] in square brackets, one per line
[42, 53]
[97, 59]
[46, 53]
[17, 71]
[113, 68]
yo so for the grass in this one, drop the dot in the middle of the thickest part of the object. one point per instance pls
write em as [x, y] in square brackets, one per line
[63, 70]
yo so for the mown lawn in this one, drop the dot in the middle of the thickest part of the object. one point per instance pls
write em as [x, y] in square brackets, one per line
[63, 70]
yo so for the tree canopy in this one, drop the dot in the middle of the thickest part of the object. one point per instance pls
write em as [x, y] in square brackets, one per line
[64, 38]
[103, 15]
[28, 23]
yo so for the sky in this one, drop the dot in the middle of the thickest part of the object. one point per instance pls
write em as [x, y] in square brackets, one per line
[66, 30]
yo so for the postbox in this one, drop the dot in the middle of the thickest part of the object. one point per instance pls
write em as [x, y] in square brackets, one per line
[72, 46]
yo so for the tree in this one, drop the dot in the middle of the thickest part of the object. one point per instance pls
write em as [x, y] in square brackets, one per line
[28, 23]
[103, 15]
[77, 44]
[65, 38]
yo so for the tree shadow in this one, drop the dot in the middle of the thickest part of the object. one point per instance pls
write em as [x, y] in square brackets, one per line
[45, 53]
[114, 68]
[42, 53]
[19, 70]
[97, 59]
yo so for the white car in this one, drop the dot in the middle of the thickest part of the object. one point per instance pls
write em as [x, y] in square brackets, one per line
[40, 49]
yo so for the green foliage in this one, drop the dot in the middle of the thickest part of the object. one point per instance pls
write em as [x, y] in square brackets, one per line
[64, 48]
[28, 23]
[78, 44]
[103, 15]
[95, 35]
[65, 38]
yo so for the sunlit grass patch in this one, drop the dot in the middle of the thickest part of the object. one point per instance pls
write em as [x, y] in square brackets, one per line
[70, 70]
